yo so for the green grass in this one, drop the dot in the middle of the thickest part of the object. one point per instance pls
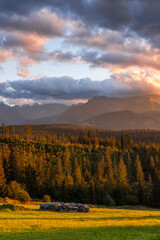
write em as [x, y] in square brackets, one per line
[109, 233]
[98, 224]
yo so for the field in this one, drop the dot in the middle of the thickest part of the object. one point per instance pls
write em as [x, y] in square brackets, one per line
[99, 223]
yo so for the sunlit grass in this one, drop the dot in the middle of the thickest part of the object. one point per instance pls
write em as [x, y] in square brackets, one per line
[98, 221]
[33, 220]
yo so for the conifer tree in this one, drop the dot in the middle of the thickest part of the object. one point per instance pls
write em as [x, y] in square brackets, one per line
[2, 179]
[68, 179]
[122, 174]
[109, 169]
[40, 175]
[15, 165]
[77, 173]
[100, 171]
[129, 166]
[93, 192]
[49, 179]
[87, 171]
[13, 131]
[4, 131]
[5, 160]
[28, 132]
[122, 189]
[115, 170]
[139, 172]
[59, 176]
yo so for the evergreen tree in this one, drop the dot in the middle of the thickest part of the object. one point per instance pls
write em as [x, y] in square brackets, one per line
[139, 172]
[40, 175]
[2, 179]
[122, 190]
[109, 170]
[68, 179]
[59, 176]
[122, 174]
[129, 166]
[100, 171]
[77, 174]
[87, 170]
[5, 160]
[28, 132]
[93, 192]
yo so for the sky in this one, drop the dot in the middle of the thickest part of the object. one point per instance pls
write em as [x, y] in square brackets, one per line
[72, 50]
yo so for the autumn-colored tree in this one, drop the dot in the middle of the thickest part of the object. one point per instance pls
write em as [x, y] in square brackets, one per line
[139, 172]
[77, 173]
[122, 189]
[122, 174]
[109, 170]
[68, 179]
[87, 171]
[40, 175]
[5, 159]
[28, 132]
[100, 171]
[59, 176]
[2, 178]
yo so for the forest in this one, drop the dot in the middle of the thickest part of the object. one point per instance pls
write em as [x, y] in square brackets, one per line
[80, 167]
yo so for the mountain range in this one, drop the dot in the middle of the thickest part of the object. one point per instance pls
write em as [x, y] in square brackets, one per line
[139, 112]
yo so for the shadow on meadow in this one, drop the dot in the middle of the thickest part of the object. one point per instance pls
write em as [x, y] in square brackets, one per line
[100, 233]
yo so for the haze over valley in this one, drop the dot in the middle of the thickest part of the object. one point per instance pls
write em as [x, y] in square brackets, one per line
[138, 112]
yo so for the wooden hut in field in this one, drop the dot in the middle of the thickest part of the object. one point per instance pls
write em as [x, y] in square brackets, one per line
[64, 207]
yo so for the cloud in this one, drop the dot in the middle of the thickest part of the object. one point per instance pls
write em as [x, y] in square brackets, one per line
[119, 59]
[139, 16]
[5, 55]
[43, 22]
[113, 60]
[63, 56]
[68, 88]
[125, 27]
[32, 44]
[23, 73]
[105, 40]
[119, 35]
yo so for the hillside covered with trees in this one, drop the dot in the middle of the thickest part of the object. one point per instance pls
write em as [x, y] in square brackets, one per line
[81, 168]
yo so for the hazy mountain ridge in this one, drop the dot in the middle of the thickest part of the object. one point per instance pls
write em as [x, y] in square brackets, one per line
[101, 105]
[126, 120]
[35, 114]
[111, 113]
[37, 111]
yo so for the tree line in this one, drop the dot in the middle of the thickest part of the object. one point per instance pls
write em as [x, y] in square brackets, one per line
[82, 168]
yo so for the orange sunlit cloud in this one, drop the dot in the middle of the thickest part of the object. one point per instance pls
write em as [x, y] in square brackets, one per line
[5, 55]
[23, 73]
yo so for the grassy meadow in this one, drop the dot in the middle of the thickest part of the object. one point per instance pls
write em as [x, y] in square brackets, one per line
[99, 223]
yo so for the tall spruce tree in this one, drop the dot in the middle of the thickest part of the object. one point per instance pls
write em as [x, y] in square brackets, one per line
[139, 172]
[59, 176]
[77, 174]
[122, 174]
[2, 179]
[68, 179]
[109, 169]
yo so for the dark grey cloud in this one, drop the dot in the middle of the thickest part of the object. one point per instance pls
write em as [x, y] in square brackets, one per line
[22, 7]
[25, 7]
[114, 58]
[43, 23]
[141, 16]
[61, 56]
[68, 88]
[120, 31]
[57, 88]
[109, 59]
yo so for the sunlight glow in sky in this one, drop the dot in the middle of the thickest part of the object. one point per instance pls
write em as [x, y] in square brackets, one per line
[78, 49]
